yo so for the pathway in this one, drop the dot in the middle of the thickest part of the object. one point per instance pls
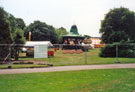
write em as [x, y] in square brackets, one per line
[65, 68]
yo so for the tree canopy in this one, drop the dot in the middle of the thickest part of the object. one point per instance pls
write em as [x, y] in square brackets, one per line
[118, 25]
[41, 32]
[5, 29]
[10, 32]
[87, 36]
[60, 32]
[20, 23]
[18, 39]
[5, 33]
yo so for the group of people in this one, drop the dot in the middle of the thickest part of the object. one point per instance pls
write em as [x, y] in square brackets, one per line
[73, 41]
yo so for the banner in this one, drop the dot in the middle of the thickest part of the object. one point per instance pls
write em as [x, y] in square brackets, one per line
[40, 51]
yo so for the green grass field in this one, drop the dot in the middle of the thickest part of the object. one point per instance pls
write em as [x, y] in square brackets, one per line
[61, 59]
[111, 80]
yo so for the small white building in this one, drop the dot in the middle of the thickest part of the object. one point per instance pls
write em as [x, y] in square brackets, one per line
[38, 48]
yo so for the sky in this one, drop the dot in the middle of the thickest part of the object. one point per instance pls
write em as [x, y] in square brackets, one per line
[86, 14]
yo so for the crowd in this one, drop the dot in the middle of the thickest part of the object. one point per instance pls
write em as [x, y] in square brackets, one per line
[73, 41]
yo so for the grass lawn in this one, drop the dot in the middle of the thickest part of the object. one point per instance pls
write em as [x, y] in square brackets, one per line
[109, 80]
[79, 59]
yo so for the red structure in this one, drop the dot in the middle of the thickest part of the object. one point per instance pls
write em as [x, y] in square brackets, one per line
[50, 53]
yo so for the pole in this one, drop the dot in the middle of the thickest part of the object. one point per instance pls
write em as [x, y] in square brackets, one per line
[117, 54]
[9, 58]
[85, 56]
[134, 51]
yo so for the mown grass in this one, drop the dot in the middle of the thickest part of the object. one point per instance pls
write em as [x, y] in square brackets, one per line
[111, 80]
[92, 57]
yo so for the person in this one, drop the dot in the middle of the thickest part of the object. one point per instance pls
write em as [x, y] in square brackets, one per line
[72, 42]
[65, 42]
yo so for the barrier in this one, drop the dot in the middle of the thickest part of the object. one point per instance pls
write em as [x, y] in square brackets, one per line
[99, 45]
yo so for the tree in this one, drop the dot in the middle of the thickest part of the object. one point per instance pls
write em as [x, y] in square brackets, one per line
[60, 32]
[12, 21]
[17, 25]
[5, 33]
[53, 35]
[87, 36]
[10, 32]
[18, 39]
[118, 25]
[20, 23]
[87, 39]
[41, 32]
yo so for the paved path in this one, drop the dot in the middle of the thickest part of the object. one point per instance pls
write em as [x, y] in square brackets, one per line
[66, 68]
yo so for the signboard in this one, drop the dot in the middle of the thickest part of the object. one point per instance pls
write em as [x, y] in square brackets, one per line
[40, 51]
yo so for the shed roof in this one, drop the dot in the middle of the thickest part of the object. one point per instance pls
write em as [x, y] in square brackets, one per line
[34, 43]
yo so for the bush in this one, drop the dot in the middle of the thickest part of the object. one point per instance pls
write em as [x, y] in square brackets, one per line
[108, 51]
[123, 50]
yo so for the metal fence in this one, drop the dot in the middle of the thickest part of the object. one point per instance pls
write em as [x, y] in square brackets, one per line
[62, 55]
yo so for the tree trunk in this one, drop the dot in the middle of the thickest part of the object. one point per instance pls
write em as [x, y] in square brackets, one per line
[16, 54]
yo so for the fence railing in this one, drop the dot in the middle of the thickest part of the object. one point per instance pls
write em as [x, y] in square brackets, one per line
[63, 54]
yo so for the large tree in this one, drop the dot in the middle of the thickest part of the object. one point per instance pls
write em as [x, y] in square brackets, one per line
[17, 25]
[5, 33]
[10, 32]
[40, 31]
[60, 32]
[118, 25]
[18, 39]
[12, 21]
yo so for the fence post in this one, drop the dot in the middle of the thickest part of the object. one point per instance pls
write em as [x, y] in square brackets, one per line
[9, 58]
[117, 54]
[49, 56]
[85, 55]
[134, 51]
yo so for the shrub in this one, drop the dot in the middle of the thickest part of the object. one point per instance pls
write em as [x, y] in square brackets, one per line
[124, 50]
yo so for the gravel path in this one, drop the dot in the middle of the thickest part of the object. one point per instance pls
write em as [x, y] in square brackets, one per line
[66, 68]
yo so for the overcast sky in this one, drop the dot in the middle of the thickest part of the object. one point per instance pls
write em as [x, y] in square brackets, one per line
[86, 14]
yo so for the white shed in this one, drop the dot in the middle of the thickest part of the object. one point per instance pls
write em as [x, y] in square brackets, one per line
[40, 48]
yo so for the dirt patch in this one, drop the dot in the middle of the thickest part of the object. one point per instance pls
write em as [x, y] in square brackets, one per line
[30, 62]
